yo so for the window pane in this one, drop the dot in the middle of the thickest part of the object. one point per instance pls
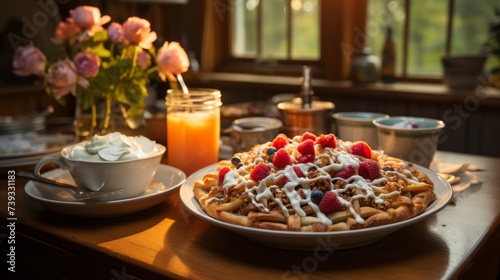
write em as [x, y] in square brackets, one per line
[305, 29]
[470, 25]
[427, 36]
[274, 35]
[381, 14]
[244, 28]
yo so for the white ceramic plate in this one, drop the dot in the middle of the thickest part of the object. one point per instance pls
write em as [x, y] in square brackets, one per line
[40, 145]
[166, 179]
[316, 240]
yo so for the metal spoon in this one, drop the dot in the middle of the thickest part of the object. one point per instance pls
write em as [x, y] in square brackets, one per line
[78, 192]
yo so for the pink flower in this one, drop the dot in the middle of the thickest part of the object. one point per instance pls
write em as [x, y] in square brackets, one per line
[138, 31]
[29, 60]
[66, 30]
[87, 17]
[172, 59]
[115, 32]
[87, 64]
[143, 60]
[63, 78]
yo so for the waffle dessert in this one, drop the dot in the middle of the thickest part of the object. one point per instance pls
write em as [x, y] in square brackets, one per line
[313, 183]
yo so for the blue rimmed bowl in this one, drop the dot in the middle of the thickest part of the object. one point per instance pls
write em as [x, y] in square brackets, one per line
[413, 139]
[358, 126]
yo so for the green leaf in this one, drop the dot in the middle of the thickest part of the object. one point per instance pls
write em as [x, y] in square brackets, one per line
[101, 51]
[136, 93]
[130, 51]
[100, 36]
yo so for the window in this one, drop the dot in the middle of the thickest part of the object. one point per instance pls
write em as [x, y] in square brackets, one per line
[425, 30]
[306, 32]
[328, 36]
[276, 29]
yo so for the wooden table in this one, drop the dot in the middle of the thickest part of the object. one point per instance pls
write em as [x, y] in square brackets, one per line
[165, 241]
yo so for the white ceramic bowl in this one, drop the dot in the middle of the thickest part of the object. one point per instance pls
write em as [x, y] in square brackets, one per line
[133, 176]
[417, 145]
[358, 126]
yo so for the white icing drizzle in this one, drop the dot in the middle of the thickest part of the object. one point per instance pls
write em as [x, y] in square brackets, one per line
[327, 162]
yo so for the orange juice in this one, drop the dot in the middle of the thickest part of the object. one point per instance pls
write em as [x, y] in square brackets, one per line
[193, 128]
[193, 140]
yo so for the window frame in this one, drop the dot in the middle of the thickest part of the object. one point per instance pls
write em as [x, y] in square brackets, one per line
[332, 65]
[342, 24]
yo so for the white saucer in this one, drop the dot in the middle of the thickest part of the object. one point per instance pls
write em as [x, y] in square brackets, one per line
[166, 179]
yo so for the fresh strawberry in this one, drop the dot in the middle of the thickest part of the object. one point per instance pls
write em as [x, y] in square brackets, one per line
[259, 172]
[307, 135]
[306, 147]
[369, 169]
[362, 149]
[327, 141]
[222, 174]
[305, 158]
[330, 203]
[281, 158]
[298, 171]
[346, 173]
[280, 141]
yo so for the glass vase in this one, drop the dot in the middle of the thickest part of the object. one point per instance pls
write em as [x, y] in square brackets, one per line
[105, 116]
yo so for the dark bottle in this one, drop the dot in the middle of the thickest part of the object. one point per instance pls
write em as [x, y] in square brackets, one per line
[388, 70]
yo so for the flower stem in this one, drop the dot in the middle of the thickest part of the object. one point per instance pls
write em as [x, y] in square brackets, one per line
[107, 114]
[93, 121]
[134, 61]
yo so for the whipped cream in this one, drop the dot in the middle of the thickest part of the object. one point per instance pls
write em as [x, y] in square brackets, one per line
[114, 147]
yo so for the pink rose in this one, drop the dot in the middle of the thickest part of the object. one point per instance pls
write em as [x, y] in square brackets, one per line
[29, 60]
[115, 32]
[87, 64]
[143, 60]
[66, 30]
[86, 17]
[171, 59]
[138, 31]
[63, 78]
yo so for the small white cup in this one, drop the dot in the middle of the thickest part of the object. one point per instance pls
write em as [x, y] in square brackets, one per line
[358, 126]
[133, 176]
[415, 144]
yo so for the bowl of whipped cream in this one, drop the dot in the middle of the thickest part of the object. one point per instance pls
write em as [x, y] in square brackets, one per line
[109, 162]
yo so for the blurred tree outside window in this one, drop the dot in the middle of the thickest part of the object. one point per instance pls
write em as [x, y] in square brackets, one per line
[423, 30]
[427, 33]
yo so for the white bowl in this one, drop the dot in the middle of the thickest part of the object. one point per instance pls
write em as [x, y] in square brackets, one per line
[417, 145]
[358, 126]
[133, 176]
